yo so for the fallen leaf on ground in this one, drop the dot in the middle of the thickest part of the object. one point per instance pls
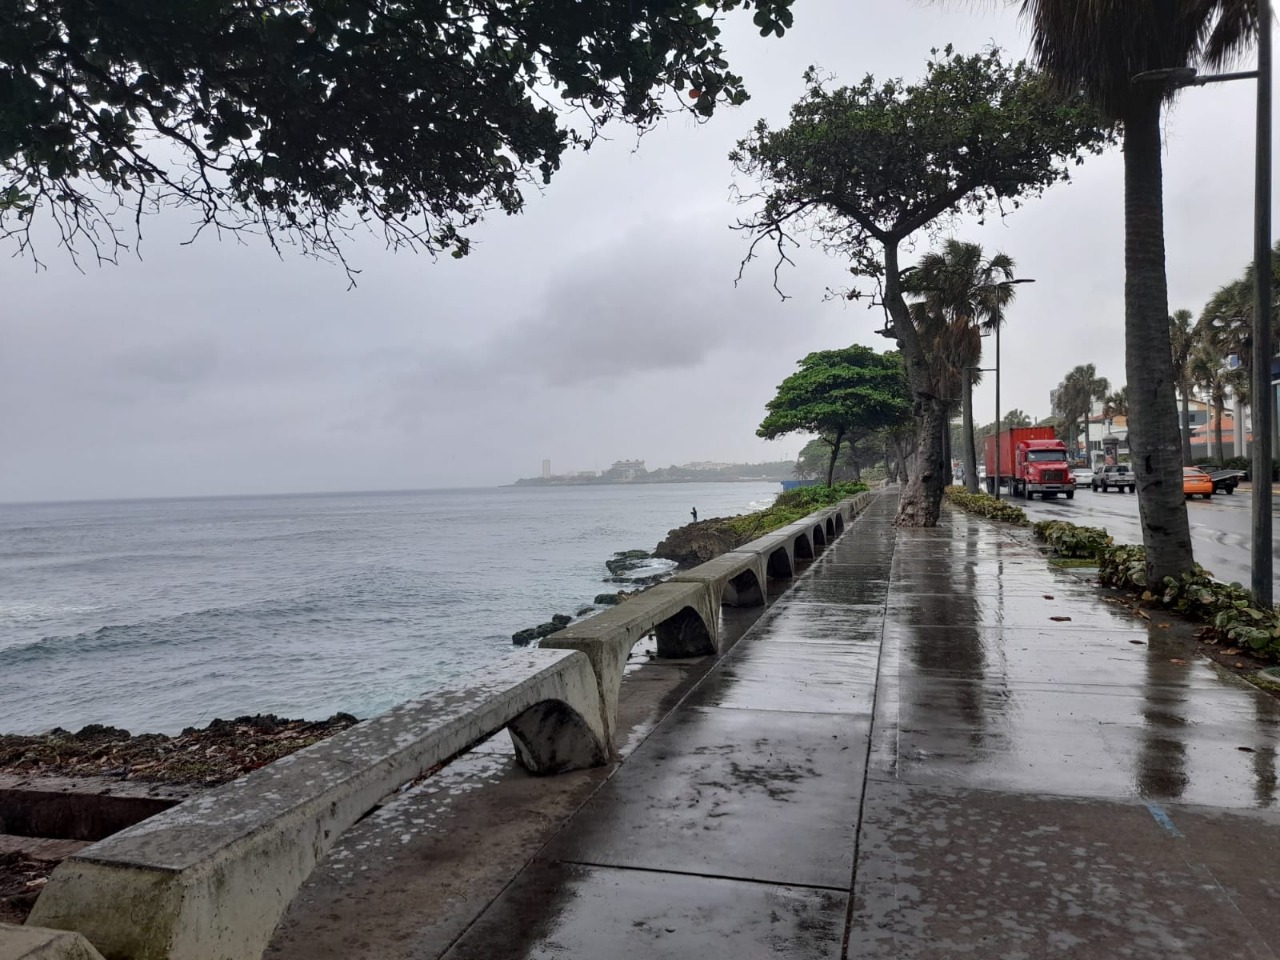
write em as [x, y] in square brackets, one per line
[1240, 665]
[1143, 642]
[1163, 626]
[1060, 619]
[1142, 613]
[1048, 596]
[1231, 652]
[1246, 749]
[1180, 662]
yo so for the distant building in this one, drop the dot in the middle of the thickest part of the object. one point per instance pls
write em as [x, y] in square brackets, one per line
[627, 469]
[546, 469]
[586, 474]
[704, 465]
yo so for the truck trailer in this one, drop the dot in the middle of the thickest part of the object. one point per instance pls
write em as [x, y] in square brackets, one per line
[1032, 460]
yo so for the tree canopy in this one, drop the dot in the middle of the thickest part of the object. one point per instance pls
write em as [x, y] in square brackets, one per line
[303, 118]
[839, 394]
[860, 169]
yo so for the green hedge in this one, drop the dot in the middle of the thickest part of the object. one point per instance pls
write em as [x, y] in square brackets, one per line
[1070, 540]
[985, 505]
[791, 506]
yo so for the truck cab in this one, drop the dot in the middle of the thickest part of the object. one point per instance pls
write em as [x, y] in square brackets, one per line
[1040, 466]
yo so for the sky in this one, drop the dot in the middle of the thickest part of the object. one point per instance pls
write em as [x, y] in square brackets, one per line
[603, 323]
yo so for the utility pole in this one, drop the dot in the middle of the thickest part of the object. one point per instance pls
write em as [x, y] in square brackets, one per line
[1263, 392]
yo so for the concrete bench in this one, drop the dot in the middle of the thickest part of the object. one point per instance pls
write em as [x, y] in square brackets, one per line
[210, 878]
[736, 579]
[683, 615]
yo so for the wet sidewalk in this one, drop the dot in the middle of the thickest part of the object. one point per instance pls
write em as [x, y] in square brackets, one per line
[934, 745]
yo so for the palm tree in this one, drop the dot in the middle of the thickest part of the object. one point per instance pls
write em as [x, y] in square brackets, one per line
[1183, 338]
[1116, 404]
[1015, 418]
[964, 294]
[1081, 387]
[1209, 372]
[1099, 46]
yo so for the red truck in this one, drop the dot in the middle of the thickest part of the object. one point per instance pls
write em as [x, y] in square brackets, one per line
[1032, 460]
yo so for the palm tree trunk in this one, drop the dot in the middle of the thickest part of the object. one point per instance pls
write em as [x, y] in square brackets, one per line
[1088, 453]
[970, 451]
[1219, 411]
[1186, 429]
[1153, 434]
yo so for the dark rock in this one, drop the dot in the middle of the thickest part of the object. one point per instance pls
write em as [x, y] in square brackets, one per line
[611, 599]
[696, 543]
[561, 619]
[522, 638]
[96, 731]
[546, 629]
[586, 610]
[626, 560]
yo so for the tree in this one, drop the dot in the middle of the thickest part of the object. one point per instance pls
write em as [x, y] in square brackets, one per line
[966, 293]
[837, 394]
[303, 119]
[1116, 404]
[1098, 47]
[862, 169]
[1080, 388]
[1183, 339]
[1015, 418]
[1208, 370]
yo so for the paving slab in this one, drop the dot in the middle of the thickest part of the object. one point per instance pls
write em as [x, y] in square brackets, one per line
[556, 911]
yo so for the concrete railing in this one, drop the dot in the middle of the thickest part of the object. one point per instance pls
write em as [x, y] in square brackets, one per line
[210, 878]
[684, 611]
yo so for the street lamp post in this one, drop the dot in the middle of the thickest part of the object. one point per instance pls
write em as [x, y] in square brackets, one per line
[999, 323]
[1263, 392]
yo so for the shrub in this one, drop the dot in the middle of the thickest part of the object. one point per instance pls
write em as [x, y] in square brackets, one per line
[985, 505]
[1070, 540]
[1238, 463]
[791, 506]
[1209, 462]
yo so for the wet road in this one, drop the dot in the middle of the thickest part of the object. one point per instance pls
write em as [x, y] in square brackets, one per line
[1220, 526]
[934, 745]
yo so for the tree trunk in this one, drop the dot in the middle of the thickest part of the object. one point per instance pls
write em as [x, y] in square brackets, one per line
[1219, 411]
[970, 449]
[1186, 429]
[948, 477]
[1088, 452]
[921, 498]
[1153, 431]
[835, 452]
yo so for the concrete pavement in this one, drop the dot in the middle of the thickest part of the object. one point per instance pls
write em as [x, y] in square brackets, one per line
[934, 745]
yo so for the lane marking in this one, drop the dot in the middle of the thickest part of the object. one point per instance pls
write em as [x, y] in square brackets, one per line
[1162, 818]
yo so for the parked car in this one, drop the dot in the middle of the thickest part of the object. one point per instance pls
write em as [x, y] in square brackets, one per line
[1083, 476]
[1116, 475]
[1225, 481]
[1195, 480]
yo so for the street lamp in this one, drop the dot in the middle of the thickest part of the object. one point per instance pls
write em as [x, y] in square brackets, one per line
[1263, 392]
[999, 323]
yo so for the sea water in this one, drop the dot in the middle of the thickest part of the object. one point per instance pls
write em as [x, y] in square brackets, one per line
[154, 615]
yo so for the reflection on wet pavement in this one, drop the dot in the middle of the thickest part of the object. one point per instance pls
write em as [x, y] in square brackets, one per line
[934, 745]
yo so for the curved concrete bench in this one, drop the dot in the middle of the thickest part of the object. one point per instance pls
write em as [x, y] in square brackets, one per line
[683, 615]
[209, 878]
[684, 611]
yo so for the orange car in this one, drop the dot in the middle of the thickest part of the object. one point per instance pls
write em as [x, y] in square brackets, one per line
[1195, 480]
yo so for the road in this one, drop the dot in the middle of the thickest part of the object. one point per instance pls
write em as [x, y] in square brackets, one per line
[1219, 526]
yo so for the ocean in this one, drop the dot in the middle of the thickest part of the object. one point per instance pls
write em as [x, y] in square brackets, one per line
[154, 615]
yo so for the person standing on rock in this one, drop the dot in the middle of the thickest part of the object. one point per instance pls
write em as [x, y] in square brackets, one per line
[694, 512]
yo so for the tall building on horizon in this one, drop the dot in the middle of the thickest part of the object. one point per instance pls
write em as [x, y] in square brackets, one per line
[546, 469]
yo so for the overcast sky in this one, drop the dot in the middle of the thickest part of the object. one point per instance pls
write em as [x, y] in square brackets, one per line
[602, 324]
